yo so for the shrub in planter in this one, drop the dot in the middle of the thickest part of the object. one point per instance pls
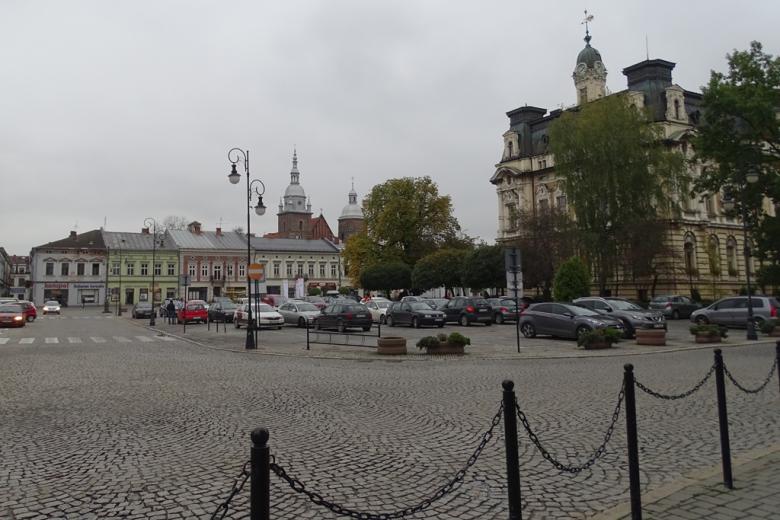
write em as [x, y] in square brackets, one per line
[598, 338]
[770, 327]
[428, 342]
[456, 338]
[442, 337]
[708, 333]
[443, 344]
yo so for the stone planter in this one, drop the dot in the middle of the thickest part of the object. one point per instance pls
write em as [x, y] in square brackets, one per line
[391, 346]
[655, 337]
[446, 348]
[707, 338]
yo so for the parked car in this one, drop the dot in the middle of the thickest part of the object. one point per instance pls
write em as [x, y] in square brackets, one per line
[317, 301]
[29, 309]
[51, 307]
[504, 309]
[142, 310]
[12, 315]
[674, 306]
[436, 303]
[378, 309]
[414, 314]
[194, 310]
[222, 310]
[468, 310]
[733, 311]
[563, 320]
[343, 316]
[301, 313]
[632, 315]
[263, 315]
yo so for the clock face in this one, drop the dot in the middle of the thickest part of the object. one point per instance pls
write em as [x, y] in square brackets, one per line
[581, 68]
[599, 66]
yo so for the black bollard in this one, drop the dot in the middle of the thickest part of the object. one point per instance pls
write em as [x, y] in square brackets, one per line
[723, 420]
[260, 477]
[777, 360]
[633, 442]
[512, 463]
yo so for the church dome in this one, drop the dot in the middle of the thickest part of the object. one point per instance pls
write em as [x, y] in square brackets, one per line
[589, 55]
[352, 210]
[294, 190]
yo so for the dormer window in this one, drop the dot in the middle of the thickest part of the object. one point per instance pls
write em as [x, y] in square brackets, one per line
[677, 109]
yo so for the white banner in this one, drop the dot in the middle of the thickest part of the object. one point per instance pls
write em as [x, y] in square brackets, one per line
[285, 290]
[299, 288]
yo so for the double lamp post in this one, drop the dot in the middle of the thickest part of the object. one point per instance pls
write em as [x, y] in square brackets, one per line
[234, 156]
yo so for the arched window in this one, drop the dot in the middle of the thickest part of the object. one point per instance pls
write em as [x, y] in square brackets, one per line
[689, 251]
[677, 109]
[731, 256]
[713, 255]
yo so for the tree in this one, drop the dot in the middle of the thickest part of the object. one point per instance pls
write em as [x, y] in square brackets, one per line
[572, 280]
[616, 172]
[439, 269]
[483, 268]
[174, 222]
[739, 133]
[386, 277]
[407, 219]
[360, 253]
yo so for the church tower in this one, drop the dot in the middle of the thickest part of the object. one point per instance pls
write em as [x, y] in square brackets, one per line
[590, 75]
[294, 210]
[351, 219]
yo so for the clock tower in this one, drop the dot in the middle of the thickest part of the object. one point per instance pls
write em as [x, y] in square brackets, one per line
[590, 75]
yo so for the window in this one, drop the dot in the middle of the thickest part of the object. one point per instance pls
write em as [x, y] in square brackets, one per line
[115, 268]
[311, 269]
[143, 295]
[217, 272]
[64, 268]
[80, 269]
[204, 270]
[689, 251]
[333, 272]
[277, 268]
[229, 271]
[289, 269]
[157, 269]
[300, 269]
[130, 268]
[560, 202]
[677, 109]
[191, 270]
[170, 293]
[242, 271]
[731, 256]
[144, 269]
[20, 282]
[543, 164]
[171, 269]
[709, 203]
[95, 269]
[322, 269]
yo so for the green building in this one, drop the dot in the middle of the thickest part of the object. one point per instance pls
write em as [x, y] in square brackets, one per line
[135, 261]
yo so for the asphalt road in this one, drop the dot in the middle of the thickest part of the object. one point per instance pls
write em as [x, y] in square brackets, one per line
[110, 420]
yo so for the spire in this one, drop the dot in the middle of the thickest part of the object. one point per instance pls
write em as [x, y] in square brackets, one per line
[294, 173]
[588, 18]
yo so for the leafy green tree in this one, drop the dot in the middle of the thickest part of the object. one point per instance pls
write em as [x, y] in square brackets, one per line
[386, 277]
[439, 269]
[572, 280]
[483, 268]
[616, 172]
[314, 291]
[740, 133]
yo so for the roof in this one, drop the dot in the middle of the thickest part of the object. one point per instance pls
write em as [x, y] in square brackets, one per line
[136, 241]
[207, 239]
[17, 259]
[589, 56]
[293, 245]
[91, 239]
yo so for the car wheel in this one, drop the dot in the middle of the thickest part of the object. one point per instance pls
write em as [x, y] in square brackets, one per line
[488, 323]
[390, 322]
[440, 325]
[758, 321]
[528, 330]
[382, 319]
[29, 319]
[582, 329]
[499, 319]
[366, 329]
[301, 322]
[279, 327]
[341, 328]
[702, 320]
[675, 314]
[464, 321]
[415, 323]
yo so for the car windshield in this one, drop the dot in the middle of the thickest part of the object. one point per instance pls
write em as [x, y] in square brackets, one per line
[355, 308]
[660, 299]
[264, 307]
[479, 301]
[494, 301]
[10, 308]
[144, 305]
[228, 306]
[315, 299]
[624, 305]
[51, 304]
[580, 311]
[195, 306]
[382, 305]
[420, 306]
[307, 307]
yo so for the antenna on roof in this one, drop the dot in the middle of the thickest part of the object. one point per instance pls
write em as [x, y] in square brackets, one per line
[647, 48]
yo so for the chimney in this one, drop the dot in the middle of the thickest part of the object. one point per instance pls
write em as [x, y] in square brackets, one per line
[194, 227]
[145, 231]
[72, 234]
[219, 231]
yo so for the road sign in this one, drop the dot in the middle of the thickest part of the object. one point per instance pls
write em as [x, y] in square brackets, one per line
[256, 272]
[184, 279]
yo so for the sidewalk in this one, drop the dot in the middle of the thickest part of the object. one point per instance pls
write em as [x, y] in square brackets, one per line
[702, 495]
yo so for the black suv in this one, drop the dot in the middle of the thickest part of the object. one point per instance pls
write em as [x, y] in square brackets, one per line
[465, 310]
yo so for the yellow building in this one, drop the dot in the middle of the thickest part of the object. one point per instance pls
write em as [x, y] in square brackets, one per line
[707, 247]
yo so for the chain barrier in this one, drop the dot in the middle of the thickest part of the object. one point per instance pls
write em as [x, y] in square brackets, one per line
[238, 485]
[673, 397]
[597, 453]
[748, 390]
[450, 486]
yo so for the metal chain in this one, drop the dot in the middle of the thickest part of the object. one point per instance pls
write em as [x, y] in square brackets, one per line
[748, 390]
[672, 397]
[596, 454]
[451, 485]
[238, 485]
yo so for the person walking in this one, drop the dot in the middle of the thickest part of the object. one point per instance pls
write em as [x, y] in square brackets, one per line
[170, 311]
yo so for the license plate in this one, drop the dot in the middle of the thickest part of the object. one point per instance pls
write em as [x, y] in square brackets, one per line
[658, 325]
[482, 310]
[360, 316]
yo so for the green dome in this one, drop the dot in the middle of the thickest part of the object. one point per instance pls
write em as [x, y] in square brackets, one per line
[589, 56]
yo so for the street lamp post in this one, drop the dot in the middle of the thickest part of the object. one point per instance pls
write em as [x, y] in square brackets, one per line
[751, 177]
[235, 155]
[149, 222]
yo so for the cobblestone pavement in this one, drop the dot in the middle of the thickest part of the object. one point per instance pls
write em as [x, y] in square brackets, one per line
[159, 429]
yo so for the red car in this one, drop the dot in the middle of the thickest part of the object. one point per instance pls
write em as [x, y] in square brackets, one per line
[195, 310]
[11, 315]
[30, 312]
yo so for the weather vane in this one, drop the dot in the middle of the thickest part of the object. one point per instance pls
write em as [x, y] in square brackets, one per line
[586, 21]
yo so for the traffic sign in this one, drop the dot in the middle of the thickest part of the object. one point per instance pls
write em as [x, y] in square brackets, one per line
[256, 272]
[184, 279]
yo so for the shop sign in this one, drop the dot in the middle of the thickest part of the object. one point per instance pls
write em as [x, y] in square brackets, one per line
[87, 285]
[55, 285]
[17, 290]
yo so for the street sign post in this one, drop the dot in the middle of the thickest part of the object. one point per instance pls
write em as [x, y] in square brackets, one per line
[514, 280]
[256, 272]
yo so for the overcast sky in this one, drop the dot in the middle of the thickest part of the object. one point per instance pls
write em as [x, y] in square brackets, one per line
[121, 110]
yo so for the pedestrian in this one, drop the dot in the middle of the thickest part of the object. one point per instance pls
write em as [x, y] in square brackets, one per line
[170, 311]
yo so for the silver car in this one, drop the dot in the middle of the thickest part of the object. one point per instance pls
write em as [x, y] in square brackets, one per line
[630, 314]
[299, 313]
[563, 320]
[733, 311]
